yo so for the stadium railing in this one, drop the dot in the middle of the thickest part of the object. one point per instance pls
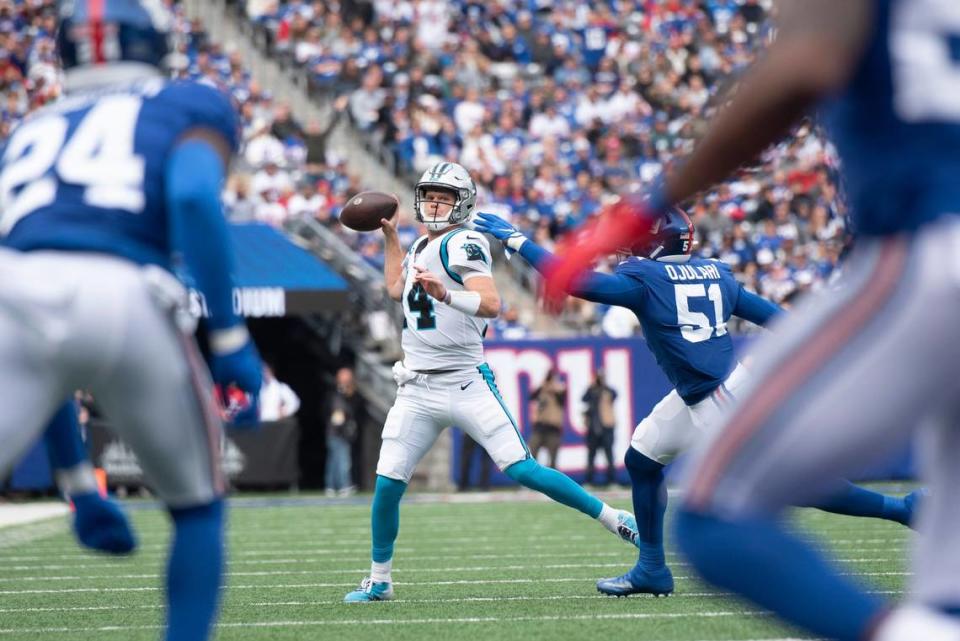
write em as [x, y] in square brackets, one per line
[369, 302]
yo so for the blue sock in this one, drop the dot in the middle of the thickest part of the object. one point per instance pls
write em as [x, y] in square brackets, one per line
[385, 516]
[757, 559]
[853, 500]
[194, 571]
[557, 485]
[649, 506]
[64, 445]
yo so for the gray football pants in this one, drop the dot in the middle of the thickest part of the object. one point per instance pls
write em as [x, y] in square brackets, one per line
[845, 381]
[72, 320]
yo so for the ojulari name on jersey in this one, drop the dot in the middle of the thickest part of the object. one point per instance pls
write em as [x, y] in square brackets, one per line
[692, 272]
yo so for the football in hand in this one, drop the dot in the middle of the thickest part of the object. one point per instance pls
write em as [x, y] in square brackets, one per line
[364, 211]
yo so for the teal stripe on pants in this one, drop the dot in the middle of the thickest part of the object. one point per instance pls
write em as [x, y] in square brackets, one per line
[491, 382]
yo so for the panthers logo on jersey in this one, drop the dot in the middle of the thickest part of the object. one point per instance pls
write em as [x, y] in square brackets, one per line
[474, 252]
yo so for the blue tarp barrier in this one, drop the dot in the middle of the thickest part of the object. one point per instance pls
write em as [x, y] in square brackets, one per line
[33, 472]
[267, 258]
[277, 278]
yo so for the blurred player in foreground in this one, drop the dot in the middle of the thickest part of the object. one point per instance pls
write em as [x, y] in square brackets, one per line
[98, 193]
[446, 287]
[850, 377]
[683, 304]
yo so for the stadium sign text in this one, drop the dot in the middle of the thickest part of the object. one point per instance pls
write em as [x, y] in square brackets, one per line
[250, 302]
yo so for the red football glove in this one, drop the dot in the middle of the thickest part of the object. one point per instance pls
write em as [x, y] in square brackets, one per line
[625, 223]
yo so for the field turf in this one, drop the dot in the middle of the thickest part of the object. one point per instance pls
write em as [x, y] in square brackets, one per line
[516, 568]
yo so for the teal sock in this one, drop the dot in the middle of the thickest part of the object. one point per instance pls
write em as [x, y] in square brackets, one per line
[557, 485]
[385, 517]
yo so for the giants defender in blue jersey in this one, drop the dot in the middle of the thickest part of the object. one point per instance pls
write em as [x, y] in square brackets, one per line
[683, 304]
[852, 376]
[103, 195]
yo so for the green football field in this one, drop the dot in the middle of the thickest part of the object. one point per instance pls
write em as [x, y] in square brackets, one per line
[514, 567]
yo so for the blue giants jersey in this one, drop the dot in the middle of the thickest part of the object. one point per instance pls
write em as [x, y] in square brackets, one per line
[87, 173]
[897, 124]
[683, 309]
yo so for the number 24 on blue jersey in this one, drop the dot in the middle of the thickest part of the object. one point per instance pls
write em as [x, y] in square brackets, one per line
[98, 155]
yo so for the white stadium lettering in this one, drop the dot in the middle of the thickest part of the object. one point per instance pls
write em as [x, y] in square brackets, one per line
[250, 302]
[259, 302]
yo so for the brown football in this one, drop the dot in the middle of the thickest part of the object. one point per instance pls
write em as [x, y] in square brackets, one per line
[364, 211]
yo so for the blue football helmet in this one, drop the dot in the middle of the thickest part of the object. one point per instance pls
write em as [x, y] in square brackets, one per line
[670, 235]
[103, 32]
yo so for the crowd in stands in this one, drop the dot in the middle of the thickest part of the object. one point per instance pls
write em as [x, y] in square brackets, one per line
[29, 69]
[556, 106]
[285, 169]
[553, 106]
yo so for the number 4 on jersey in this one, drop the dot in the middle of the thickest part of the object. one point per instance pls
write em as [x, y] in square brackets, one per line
[418, 302]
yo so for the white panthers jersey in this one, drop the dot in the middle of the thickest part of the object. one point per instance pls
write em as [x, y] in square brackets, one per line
[436, 336]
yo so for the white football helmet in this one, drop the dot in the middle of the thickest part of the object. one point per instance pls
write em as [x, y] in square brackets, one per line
[448, 176]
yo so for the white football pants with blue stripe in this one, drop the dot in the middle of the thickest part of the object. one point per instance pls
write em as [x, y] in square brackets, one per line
[73, 321]
[429, 403]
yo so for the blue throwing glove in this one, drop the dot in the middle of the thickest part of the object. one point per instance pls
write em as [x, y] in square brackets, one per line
[234, 361]
[500, 229]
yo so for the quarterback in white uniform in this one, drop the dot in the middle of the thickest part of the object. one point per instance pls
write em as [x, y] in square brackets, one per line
[445, 285]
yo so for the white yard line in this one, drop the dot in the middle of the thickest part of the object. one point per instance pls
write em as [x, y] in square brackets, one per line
[405, 559]
[354, 570]
[267, 548]
[22, 523]
[395, 602]
[353, 584]
[423, 621]
[23, 513]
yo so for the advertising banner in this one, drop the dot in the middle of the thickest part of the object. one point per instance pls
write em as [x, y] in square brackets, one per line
[629, 368]
[266, 457]
[521, 366]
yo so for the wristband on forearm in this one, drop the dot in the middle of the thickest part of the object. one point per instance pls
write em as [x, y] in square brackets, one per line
[515, 242]
[464, 301]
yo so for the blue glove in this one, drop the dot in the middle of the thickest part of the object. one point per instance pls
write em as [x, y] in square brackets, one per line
[234, 361]
[501, 230]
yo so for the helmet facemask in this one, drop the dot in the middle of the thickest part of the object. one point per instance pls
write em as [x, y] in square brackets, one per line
[452, 179]
[425, 208]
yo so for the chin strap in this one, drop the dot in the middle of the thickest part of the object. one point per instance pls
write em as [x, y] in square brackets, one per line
[447, 223]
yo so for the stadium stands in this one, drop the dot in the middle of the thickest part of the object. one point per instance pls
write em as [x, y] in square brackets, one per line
[555, 107]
